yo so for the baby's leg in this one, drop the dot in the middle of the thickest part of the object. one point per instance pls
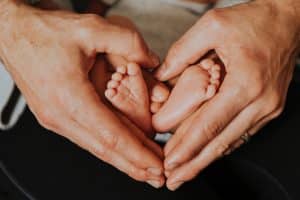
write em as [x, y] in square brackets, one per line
[197, 84]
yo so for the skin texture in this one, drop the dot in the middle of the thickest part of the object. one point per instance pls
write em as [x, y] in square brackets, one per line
[50, 62]
[128, 92]
[259, 64]
[200, 83]
[265, 58]
[100, 75]
[135, 95]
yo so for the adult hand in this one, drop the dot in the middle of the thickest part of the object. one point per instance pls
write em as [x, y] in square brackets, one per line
[49, 55]
[258, 43]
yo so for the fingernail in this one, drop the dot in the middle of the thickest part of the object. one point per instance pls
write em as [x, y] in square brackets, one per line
[171, 166]
[161, 72]
[154, 183]
[155, 171]
[154, 58]
[175, 186]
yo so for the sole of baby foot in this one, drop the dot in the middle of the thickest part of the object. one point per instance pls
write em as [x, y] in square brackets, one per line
[197, 84]
[127, 91]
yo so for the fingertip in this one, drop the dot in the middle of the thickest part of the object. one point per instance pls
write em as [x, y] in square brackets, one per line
[162, 73]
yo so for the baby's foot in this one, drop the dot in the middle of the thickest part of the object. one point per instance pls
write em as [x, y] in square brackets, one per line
[128, 92]
[197, 84]
[158, 91]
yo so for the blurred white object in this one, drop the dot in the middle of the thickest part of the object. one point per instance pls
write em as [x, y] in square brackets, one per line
[6, 88]
[226, 3]
[161, 22]
[192, 6]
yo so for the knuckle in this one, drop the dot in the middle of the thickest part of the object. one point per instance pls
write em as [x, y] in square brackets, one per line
[273, 103]
[216, 19]
[210, 130]
[47, 119]
[88, 23]
[110, 140]
[138, 174]
[100, 152]
[220, 149]
[138, 48]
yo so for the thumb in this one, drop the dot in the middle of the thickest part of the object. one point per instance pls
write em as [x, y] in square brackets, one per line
[193, 45]
[105, 37]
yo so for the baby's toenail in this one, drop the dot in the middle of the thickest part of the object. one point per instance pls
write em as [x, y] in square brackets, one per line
[117, 76]
[112, 84]
[211, 90]
[110, 93]
[215, 75]
[121, 69]
[215, 82]
[207, 63]
[216, 67]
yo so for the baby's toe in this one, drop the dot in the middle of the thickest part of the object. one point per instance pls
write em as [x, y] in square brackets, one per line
[215, 82]
[110, 93]
[211, 91]
[215, 75]
[207, 63]
[117, 76]
[112, 84]
[121, 69]
[159, 93]
[154, 107]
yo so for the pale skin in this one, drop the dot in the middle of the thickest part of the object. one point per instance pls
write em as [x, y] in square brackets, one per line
[259, 65]
[127, 90]
[50, 63]
[209, 131]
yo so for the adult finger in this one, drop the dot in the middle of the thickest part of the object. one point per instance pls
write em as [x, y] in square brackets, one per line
[104, 37]
[143, 138]
[217, 147]
[193, 45]
[90, 142]
[210, 120]
[87, 110]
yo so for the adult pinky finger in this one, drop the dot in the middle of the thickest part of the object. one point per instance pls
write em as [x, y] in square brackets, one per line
[216, 148]
[90, 142]
[253, 130]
